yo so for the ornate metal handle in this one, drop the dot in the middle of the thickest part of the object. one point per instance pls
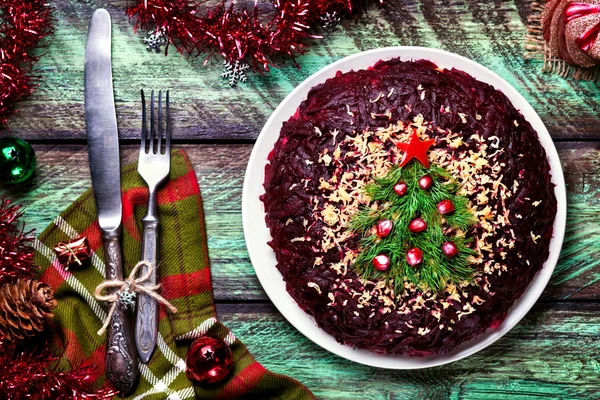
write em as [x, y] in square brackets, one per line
[121, 363]
[146, 324]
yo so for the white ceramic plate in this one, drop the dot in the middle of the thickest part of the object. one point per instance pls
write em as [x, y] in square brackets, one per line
[257, 234]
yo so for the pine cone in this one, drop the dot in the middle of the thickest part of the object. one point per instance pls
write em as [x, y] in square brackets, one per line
[24, 308]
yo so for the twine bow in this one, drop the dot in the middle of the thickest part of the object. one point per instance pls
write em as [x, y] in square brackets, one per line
[133, 285]
[72, 255]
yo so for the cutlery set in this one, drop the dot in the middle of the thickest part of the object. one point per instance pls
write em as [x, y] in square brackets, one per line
[153, 166]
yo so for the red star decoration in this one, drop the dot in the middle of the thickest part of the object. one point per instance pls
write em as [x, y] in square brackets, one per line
[415, 148]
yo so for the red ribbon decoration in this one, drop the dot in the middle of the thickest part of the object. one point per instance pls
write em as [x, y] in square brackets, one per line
[576, 10]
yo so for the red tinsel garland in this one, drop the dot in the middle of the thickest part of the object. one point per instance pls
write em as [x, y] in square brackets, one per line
[26, 374]
[16, 252]
[35, 376]
[255, 34]
[23, 24]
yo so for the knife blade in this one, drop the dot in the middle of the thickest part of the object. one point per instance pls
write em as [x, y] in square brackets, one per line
[103, 147]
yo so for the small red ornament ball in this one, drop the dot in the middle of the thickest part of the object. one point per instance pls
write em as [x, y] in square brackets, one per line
[208, 360]
[384, 227]
[445, 207]
[381, 262]
[449, 249]
[425, 182]
[417, 225]
[400, 188]
[414, 256]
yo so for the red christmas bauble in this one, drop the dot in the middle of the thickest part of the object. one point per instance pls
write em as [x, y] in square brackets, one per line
[425, 182]
[445, 207]
[449, 249]
[417, 225]
[384, 227]
[400, 188]
[381, 262]
[414, 256]
[208, 360]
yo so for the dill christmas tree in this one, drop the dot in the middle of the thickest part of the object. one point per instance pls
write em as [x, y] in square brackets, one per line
[416, 227]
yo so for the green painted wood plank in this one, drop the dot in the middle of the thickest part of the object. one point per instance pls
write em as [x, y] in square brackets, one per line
[206, 108]
[63, 174]
[551, 354]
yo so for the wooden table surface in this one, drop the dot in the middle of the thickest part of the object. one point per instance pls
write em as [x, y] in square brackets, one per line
[551, 354]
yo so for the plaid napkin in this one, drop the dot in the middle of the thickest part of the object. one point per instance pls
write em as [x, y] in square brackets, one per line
[185, 279]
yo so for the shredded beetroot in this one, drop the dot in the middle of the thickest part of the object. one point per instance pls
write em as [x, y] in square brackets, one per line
[451, 97]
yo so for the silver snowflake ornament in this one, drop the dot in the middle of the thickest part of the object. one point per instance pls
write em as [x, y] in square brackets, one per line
[330, 20]
[127, 298]
[235, 72]
[154, 40]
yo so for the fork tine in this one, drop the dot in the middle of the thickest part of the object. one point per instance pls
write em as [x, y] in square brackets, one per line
[144, 126]
[168, 129]
[152, 123]
[159, 131]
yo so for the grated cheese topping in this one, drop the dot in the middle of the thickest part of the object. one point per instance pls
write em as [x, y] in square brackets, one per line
[359, 158]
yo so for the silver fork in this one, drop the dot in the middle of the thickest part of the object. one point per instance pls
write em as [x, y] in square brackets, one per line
[153, 167]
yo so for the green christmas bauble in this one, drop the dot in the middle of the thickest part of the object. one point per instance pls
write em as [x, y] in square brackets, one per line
[17, 160]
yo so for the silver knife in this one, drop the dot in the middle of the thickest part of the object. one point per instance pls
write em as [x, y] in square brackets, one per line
[103, 144]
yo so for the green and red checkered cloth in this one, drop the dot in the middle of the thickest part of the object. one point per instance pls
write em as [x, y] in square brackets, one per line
[185, 278]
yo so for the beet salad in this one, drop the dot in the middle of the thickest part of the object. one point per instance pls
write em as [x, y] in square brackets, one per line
[409, 207]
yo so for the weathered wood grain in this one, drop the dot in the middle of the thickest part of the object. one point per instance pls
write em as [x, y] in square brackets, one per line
[489, 32]
[551, 354]
[63, 174]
